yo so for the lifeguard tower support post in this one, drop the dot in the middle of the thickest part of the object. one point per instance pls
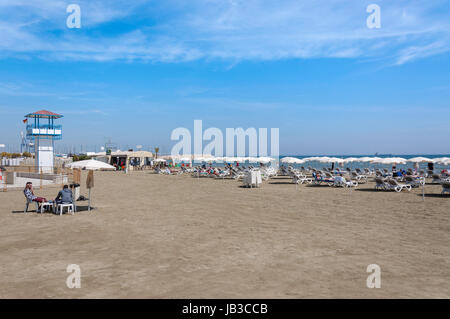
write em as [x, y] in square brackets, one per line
[42, 131]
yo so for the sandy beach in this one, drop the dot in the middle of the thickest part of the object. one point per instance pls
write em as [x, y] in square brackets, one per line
[155, 236]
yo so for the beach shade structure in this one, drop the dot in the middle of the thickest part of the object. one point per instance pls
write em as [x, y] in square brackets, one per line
[290, 160]
[351, 160]
[159, 160]
[199, 158]
[234, 159]
[91, 165]
[334, 160]
[443, 161]
[264, 159]
[389, 161]
[419, 160]
[311, 159]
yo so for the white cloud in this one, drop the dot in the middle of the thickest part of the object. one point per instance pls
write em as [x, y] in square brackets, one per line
[176, 30]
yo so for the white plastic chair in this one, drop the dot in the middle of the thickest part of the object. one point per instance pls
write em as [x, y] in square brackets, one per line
[60, 208]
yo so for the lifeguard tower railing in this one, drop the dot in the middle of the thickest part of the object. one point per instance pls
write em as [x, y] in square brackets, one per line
[43, 130]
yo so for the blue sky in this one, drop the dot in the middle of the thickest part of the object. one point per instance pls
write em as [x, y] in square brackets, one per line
[134, 72]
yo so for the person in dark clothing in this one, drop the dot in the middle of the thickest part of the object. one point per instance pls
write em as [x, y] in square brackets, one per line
[431, 166]
[64, 196]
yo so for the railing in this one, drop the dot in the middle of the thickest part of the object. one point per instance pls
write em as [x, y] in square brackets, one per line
[44, 127]
[44, 130]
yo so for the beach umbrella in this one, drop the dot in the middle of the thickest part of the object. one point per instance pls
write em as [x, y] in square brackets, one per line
[289, 160]
[351, 160]
[323, 159]
[419, 160]
[159, 160]
[264, 159]
[311, 159]
[91, 165]
[368, 159]
[389, 161]
[335, 160]
[292, 160]
[235, 159]
[443, 161]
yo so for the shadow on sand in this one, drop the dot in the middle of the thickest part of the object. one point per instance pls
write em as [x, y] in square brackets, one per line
[79, 209]
[281, 183]
[369, 190]
[436, 195]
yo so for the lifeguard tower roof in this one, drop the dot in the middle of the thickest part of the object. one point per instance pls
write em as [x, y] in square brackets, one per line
[44, 114]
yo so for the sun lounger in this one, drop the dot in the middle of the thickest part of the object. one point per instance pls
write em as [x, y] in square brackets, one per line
[340, 181]
[436, 179]
[414, 181]
[320, 179]
[395, 185]
[362, 179]
[445, 188]
[300, 179]
[381, 184]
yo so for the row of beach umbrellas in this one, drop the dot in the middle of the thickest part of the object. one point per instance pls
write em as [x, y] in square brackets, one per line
[226, 159]
[372, 160]
[98, 165]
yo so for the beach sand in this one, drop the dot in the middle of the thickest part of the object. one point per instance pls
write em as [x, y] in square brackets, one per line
[154, 236]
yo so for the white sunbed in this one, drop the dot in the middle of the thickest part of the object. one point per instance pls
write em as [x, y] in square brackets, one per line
[445, 188]
[340, 181]
[380, 184]
[395, 185]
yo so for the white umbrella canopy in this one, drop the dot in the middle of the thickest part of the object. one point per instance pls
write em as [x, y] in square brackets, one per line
[368, 159]
[323, 159]
[440, 160]
[443, 161]
[292, 160]
[312, 159]
[159, 160]
[264, 159]
[234, 159]
[91, 165]
[389, 160]
[335, 160]
[419, 160]
[351, 160]
[289, 160]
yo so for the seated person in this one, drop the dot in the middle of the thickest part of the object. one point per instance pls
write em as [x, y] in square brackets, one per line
[64, 196]
[29, 194]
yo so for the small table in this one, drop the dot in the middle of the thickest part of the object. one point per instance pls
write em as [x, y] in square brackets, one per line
[47, 205]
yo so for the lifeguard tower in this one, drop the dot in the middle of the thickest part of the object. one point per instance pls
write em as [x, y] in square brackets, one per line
[42, 132]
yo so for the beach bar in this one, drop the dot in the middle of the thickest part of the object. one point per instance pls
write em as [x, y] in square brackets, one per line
[130, 160]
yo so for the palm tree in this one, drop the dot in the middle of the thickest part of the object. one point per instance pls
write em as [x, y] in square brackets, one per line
[156, 152]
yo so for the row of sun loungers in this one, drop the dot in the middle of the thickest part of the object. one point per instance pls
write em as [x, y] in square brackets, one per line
[337, 178]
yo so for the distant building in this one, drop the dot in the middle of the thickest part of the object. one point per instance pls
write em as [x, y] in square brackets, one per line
[128, 160]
